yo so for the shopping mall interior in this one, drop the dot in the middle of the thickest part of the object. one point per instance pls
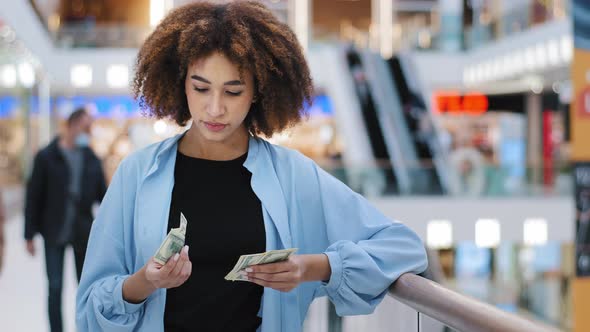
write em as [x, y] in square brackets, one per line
[466, 120]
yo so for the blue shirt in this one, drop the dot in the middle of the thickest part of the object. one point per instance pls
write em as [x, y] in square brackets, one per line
[303, 207]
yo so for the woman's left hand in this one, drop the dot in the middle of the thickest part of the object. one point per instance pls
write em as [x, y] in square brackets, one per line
[283, 276]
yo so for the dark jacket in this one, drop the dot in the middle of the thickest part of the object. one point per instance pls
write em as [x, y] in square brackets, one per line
[47, 194]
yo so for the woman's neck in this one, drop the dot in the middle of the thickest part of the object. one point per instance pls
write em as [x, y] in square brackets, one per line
[195, 145]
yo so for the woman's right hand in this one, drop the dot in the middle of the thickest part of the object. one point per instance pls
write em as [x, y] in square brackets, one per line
[154, 275]
[172, 274]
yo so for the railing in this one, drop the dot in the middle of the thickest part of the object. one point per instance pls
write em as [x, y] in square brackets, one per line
[468, 179]
[105, 35]
[88, 33]
[418, 304]
[513, 21]
[458, 311]
[419, 33]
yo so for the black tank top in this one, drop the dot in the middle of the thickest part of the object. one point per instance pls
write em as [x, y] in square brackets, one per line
[224, 221]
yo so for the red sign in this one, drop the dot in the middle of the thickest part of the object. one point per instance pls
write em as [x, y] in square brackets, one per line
[452, 102]
[584, 102]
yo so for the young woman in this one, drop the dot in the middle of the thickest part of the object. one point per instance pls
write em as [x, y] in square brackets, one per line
[232, 71]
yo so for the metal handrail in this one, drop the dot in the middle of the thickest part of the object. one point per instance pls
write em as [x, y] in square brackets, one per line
[458, 311]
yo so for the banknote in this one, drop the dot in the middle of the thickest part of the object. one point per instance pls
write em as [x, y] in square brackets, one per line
[173, 242]
[244, 261]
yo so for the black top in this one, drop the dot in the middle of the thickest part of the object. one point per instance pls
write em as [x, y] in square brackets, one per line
[48, 194]
[224, 221]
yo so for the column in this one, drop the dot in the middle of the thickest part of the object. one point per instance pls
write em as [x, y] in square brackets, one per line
[382, 27]
[451, 25]
[46, 130]
[300, 20]
[580, 136]
[534, 115]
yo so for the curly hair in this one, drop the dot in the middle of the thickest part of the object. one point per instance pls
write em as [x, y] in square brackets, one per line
[250, 36]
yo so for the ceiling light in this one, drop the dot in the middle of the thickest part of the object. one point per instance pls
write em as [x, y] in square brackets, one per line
[117, 76]
[81, 76]
[8, 76]
[553, 52]
[26, 74]
[567, 48]
[487, 233]
[529, 59]
[535, 232]
[439, 234]
[541, 55]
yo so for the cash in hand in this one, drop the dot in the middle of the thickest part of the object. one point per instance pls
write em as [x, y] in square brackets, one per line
[244, 261]
[173, 242]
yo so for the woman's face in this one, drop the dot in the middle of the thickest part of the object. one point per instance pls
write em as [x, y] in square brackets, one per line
[218, 98]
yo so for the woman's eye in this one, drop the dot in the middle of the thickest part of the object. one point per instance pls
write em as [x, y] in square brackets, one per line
[234, 93]
[200, 90]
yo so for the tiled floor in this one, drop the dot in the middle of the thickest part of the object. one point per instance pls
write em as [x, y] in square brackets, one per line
[23, 285]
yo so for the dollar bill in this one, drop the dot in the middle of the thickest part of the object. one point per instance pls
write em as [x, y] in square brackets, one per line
[173, 242]
[244, 261]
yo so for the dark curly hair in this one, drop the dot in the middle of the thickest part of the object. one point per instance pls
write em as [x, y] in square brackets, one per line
[250, 36]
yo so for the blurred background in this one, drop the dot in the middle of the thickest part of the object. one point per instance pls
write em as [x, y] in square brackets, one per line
[463, 119]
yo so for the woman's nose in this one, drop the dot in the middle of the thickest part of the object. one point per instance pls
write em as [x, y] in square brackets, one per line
[216, 107]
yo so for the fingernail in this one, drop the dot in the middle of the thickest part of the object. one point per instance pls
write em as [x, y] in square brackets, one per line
[186, 249]
[176, 257]
[248, 269]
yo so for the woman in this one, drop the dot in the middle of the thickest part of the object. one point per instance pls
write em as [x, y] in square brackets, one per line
[232, 71]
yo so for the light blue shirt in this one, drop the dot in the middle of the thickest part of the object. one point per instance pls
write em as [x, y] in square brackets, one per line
[303, 207]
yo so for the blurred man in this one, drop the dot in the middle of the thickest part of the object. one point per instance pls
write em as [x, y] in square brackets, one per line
[67, 179]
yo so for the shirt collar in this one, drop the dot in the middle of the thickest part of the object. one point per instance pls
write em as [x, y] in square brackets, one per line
[171, 146]
[265, 181]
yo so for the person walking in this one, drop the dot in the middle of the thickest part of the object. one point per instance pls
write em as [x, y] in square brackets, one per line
[66, 181]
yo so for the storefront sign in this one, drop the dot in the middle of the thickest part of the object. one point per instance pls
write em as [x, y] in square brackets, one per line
[583, 102]
[580, 129]
[455, 103]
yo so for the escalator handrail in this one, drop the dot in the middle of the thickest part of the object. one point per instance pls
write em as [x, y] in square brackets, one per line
[458, 311]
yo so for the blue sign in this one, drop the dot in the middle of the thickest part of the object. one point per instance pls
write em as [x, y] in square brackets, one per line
[8, 106]
[99, 106]
[321, 106]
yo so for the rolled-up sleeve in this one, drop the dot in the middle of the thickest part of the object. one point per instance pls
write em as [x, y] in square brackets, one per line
[99, 303]
[367, 251]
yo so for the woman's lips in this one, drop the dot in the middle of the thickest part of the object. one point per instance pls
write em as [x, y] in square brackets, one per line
[215, 127]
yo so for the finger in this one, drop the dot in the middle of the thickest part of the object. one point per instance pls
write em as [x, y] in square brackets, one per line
[271, 268]
[169, 266]
[183, 276]
[273, 277]
[187, 270]
[175, 274]
[180, 264]
[270, 284]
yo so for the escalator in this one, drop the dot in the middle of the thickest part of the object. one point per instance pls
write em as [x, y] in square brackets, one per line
[371, 121]
[387, 149]
[421, 128]
[401, 129]
[331, 73]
